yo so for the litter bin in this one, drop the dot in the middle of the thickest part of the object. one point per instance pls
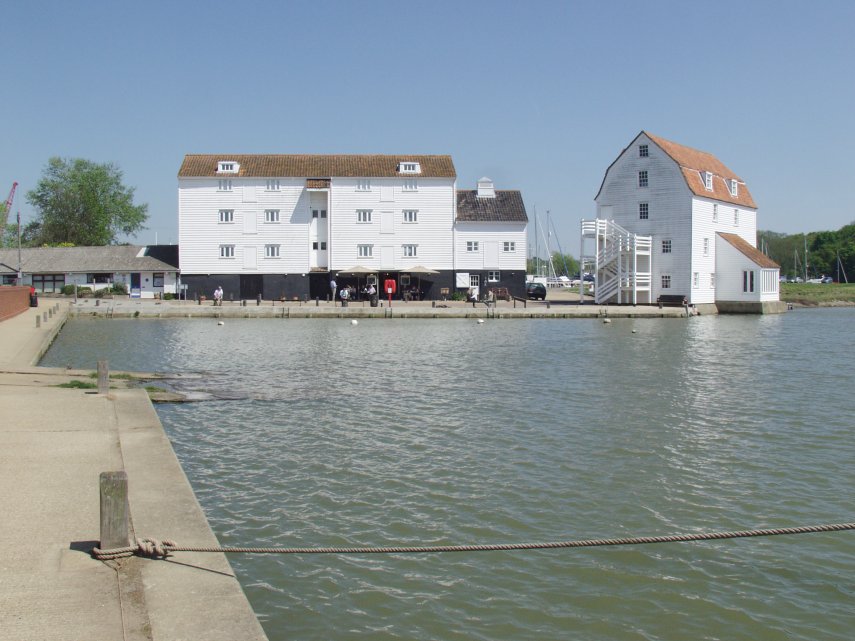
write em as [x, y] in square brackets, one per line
[373, 300]
[34, 300]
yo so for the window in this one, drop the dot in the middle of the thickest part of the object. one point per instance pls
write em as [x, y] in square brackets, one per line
[97, 278]
[666, 281]
[227, 215]
[734, 187]
[48, 283]
[472, 245]
[706, 246]
[271, 251]
[712, 280]
[157, 279]
[643, 211]
[363, 184]
[411, 184]
[666, 246]
[494, 276]
[474, 280]
[409, 168]
[224, 185]
[736, 218]
[272, 184]
[319, 245]
[696, 280]
[271, 215]
[365, 251]
[323, 213]
[410, 251]
[363, 215]
[411, 216]
[510, 246]
[642, 178]
[643, 151]
[708, 180]
[748, 282]
[227, 167]
[715, 213]
[227, 251]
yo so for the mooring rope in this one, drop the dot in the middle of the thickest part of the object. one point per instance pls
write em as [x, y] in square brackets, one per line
[154, 548]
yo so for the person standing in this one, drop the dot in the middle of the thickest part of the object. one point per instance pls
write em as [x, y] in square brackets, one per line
[333, 287]
[218, 296]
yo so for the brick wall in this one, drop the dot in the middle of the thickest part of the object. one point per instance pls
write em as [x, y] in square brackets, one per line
[13, 301]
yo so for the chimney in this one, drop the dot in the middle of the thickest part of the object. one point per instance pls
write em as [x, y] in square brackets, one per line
[485, 188]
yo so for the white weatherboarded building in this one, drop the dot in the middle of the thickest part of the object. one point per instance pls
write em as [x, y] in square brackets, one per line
[673, 221]
[283, 226]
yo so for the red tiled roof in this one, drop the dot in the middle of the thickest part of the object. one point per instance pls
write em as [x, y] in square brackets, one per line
[694, 163]
[754, 254]
[315, 166]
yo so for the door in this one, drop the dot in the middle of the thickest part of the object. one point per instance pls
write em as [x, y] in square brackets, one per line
[135, 285]
[251, 286]
[475, 284]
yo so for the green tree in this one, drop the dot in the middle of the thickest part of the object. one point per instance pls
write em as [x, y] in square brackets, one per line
[83, 203]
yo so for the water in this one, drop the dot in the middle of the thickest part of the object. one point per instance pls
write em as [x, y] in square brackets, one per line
[445, 431]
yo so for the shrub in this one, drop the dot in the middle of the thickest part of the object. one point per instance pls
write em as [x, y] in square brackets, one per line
[119, 288]
[100, 293]
[68, 290]
[168, 296]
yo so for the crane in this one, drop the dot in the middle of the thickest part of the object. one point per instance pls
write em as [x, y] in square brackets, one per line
[8, 207]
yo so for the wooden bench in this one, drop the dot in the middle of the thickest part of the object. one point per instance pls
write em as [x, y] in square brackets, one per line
[500, 293]
[672, 300]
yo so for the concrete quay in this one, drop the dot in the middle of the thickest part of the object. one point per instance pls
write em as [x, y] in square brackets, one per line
[54, 443]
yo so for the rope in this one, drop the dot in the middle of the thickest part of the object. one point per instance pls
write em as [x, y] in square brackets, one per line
[161, 549]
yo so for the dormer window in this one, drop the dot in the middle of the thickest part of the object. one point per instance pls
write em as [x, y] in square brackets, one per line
[734, 187]
[227, 167]
[708, 180]
[409, 168]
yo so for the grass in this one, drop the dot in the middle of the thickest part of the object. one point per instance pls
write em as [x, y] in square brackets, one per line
[78, 385]
[813, 294]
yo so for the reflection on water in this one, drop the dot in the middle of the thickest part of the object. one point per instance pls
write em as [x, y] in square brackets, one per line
[406, 432]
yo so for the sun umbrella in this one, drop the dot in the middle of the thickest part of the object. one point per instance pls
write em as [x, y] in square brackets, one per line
[419, 270]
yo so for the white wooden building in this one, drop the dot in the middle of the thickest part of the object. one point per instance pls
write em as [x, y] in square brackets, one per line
[671, 221]
[283, 226]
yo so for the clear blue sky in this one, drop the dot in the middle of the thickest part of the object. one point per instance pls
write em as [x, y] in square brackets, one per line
[541, 96]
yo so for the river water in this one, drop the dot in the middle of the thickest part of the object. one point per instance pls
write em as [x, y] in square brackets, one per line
[404, 432]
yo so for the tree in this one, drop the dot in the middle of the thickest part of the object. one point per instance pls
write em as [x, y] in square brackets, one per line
[83, 203]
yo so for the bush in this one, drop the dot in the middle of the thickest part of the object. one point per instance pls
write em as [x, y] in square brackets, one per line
[82, 291]
[119, 288]
[68, 290]
[168, 296]
[100, 293]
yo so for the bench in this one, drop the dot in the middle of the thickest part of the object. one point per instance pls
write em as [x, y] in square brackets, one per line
[500, 293]
[672, 300]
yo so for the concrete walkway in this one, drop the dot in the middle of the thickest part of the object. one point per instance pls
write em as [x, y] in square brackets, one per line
[54, 443]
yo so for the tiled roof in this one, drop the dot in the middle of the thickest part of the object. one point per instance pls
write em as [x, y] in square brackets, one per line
[315, 166]
[109, 258]
[507, 206]
[694, 163]
[752, 253]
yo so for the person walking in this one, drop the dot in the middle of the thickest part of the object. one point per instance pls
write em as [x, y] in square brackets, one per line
[333, 287]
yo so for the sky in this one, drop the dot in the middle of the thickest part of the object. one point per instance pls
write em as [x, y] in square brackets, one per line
[541, 96]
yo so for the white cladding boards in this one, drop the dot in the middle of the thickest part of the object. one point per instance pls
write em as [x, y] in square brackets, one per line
[201, 233]
[433, 203]
[730, 264]
[491, 239]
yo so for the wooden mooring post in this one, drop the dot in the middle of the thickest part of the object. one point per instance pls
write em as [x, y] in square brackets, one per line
[114, 510]
[103, 377]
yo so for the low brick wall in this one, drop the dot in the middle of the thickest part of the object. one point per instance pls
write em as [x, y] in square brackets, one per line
[13, 301]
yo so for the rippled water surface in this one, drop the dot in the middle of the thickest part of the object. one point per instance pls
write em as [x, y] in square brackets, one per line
[446, 431]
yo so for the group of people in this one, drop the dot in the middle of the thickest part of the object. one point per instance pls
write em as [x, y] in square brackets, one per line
[348, 292]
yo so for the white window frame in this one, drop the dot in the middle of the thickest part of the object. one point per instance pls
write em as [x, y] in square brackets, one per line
[667, 246]
[666, 281]
[644, 211]
[643, 178]
[643, 151]
[494, 276]
[227, 251]
[410, 184]
[411, 216]
[696, 280]
[227, 216]
[363, 184]
[712, 280]
[224, 184]
[271, 251]
[736, 218]
[706, 246]
[227, 167]
[474, 280]
[708, 180]
[409, 167]
[734, 187]
[748, 281]
[365, 251]
[472, 246]
[271, 215]
[363, 216]
[510, 246]
[272, 184]
[409, 250]
[715, 212]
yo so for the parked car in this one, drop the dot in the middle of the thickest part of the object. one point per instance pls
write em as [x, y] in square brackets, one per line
[536, 290]
[826, 280]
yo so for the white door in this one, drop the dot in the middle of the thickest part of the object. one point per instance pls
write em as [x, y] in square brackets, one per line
[250, 222]
[387, 222]
[250, 257]
[491, 255]
[475, 284]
